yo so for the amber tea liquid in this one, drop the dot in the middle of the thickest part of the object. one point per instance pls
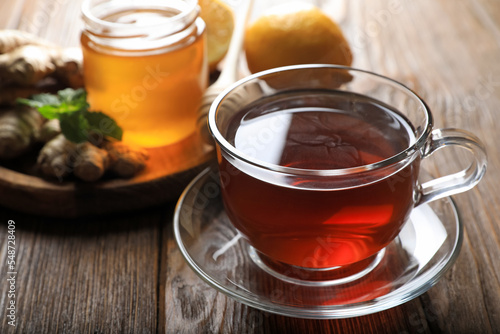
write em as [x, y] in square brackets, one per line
[305, 223]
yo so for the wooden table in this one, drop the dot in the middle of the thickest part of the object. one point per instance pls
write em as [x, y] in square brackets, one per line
[123, 273]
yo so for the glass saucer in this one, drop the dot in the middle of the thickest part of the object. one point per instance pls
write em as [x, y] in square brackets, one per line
[425, 249]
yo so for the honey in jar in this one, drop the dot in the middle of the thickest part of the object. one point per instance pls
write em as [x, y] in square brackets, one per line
[145, 65]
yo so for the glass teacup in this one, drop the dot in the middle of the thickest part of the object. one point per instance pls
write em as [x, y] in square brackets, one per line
[319, 166]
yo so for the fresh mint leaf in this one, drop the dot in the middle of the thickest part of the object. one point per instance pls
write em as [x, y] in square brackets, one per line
[44, 99]
[66, 101]
[66, 108]
[40, 100]
[73, 99]
[47, 104]
[103, 124]
[71, 108]
[49, 111]
[74, 127]
[50, 106]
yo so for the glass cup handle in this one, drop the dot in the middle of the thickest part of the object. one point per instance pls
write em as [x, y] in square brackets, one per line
[460, 181]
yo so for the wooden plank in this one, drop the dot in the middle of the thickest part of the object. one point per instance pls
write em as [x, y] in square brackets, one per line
[83, 276]
[56, 20]
[10, 14]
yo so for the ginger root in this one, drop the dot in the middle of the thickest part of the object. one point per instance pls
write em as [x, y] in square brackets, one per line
[125, 160]
[59, 158]
[29, 64]
[54, 159]
[69, 68]
[21, 127]
[25, 60]
[19, 130]
[11, 39]
[49, 130]
[92, 162]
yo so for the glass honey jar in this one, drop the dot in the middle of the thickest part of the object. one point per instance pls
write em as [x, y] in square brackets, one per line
[145, 65]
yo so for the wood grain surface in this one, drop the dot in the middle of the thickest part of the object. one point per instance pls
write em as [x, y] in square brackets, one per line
[123, 273]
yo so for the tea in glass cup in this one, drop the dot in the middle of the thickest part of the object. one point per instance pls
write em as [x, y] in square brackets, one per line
[319, 166]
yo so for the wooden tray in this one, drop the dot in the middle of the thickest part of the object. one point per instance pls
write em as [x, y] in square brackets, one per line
[168, 171]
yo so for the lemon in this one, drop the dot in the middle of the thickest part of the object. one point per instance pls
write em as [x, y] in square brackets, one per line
[220, 24]
[294, 33]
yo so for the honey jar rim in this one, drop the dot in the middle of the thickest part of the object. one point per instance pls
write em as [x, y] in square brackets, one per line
[177, 22]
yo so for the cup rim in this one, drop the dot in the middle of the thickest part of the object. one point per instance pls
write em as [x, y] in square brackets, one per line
[240, 155]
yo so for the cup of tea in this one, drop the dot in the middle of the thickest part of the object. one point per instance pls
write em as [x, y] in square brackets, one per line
[319, 165]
